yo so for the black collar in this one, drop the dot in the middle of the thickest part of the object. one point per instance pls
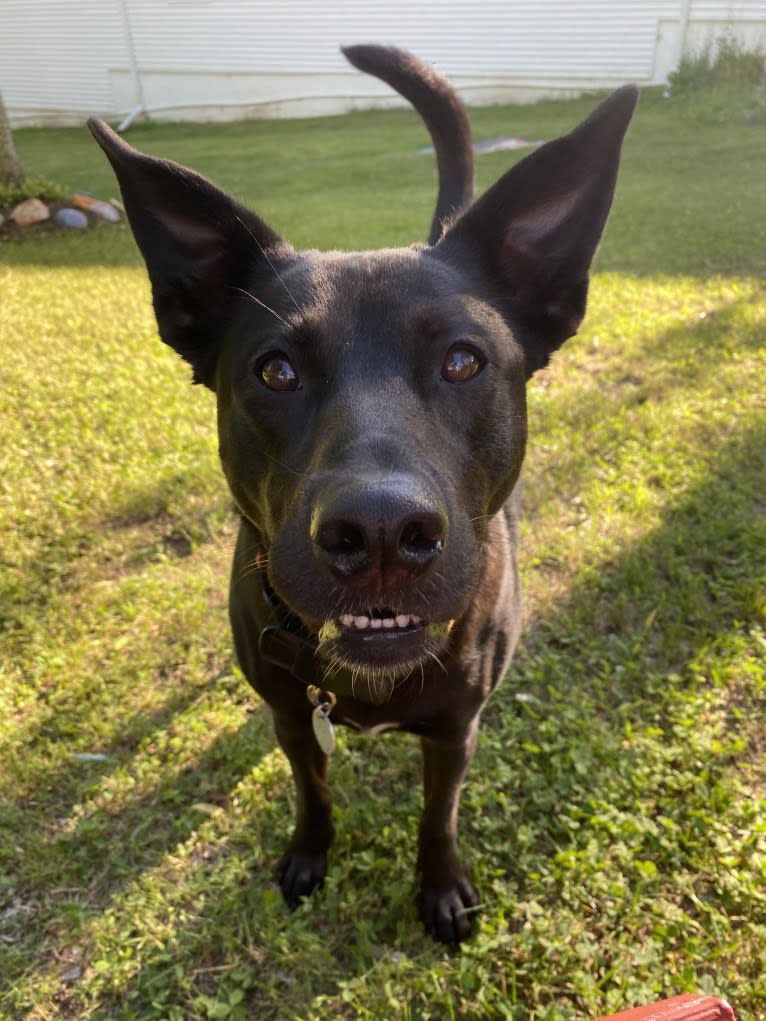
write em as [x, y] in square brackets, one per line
[284, 641]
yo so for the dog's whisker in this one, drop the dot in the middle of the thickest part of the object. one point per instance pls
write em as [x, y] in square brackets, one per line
[260, 563]
[275, 271]
[282, 464]
[263, 305]
[432, 655]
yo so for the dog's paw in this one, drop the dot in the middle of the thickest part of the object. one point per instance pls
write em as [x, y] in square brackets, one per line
[447, 912]
[299, 875]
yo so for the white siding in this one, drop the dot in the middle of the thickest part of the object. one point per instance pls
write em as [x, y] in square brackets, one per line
[726, 13]
[213, 58]
[709, 20]
[486, 38]
[55, 55]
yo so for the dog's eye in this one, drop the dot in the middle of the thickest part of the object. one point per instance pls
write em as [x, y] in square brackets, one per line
[276, 372]
[461, 364]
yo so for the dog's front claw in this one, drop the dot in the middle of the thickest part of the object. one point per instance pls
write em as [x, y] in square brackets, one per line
[446, 913]
[299, 875]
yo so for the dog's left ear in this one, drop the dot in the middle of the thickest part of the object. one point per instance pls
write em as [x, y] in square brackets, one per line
[199, 245]
[535, 232]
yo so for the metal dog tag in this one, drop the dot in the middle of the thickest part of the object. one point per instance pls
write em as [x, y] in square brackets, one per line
[324, 731]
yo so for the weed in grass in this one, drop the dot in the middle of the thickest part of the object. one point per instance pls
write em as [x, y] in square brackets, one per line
[726, 79]
[614, 817]
[36, 187]
[727, 65]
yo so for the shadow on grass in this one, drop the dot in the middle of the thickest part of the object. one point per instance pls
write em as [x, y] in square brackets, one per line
[635, 243]
[81, 814]
[687, 358]
[687, 190]
[142, 829]
[109, 246]
[148, 526]
[638, 626]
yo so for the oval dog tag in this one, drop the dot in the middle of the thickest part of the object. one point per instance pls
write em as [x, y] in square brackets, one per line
[324, 731]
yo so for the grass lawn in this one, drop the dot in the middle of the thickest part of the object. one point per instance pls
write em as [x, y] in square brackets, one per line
[615, 815]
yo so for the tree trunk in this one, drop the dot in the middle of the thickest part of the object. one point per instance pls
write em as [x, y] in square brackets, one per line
[10, 166]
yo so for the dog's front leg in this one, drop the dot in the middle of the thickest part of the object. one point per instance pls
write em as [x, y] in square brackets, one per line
[446, 893]
[304, 864]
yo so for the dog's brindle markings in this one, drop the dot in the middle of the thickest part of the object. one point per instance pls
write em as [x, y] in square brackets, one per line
[372, 424]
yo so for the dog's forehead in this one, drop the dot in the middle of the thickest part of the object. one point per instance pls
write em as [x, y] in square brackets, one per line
[395, 281]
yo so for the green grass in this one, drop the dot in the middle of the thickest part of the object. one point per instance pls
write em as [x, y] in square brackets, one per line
[615, 815]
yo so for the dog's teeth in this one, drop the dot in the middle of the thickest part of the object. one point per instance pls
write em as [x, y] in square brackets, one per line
[362, 622]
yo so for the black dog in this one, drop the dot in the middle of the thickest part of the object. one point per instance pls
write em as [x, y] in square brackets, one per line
[372, 423]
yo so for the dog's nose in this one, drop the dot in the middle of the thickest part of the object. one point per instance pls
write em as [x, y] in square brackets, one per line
[390, 528]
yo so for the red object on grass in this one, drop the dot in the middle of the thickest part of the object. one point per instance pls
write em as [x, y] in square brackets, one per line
[689, 1007]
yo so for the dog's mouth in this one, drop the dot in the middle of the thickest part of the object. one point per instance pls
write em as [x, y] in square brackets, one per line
[365, 653]
[381, 646]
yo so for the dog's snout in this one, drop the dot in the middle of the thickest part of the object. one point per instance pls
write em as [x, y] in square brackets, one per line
[393, 529]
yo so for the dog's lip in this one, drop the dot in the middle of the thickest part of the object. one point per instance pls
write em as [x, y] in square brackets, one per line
[383, 648]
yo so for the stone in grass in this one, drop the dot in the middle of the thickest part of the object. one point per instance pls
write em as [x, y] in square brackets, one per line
[30, 211]
[75, 219]
[98, 207]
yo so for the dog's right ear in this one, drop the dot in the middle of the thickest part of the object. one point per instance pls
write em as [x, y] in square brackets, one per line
[199, 245]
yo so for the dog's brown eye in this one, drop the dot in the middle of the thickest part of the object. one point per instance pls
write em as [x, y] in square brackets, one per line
[277, 373]
[461, 364]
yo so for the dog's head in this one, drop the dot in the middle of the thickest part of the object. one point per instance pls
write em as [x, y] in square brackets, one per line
[371, 406]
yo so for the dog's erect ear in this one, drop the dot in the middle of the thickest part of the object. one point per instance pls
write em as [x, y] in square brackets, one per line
[535, 232]
[199, 246]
